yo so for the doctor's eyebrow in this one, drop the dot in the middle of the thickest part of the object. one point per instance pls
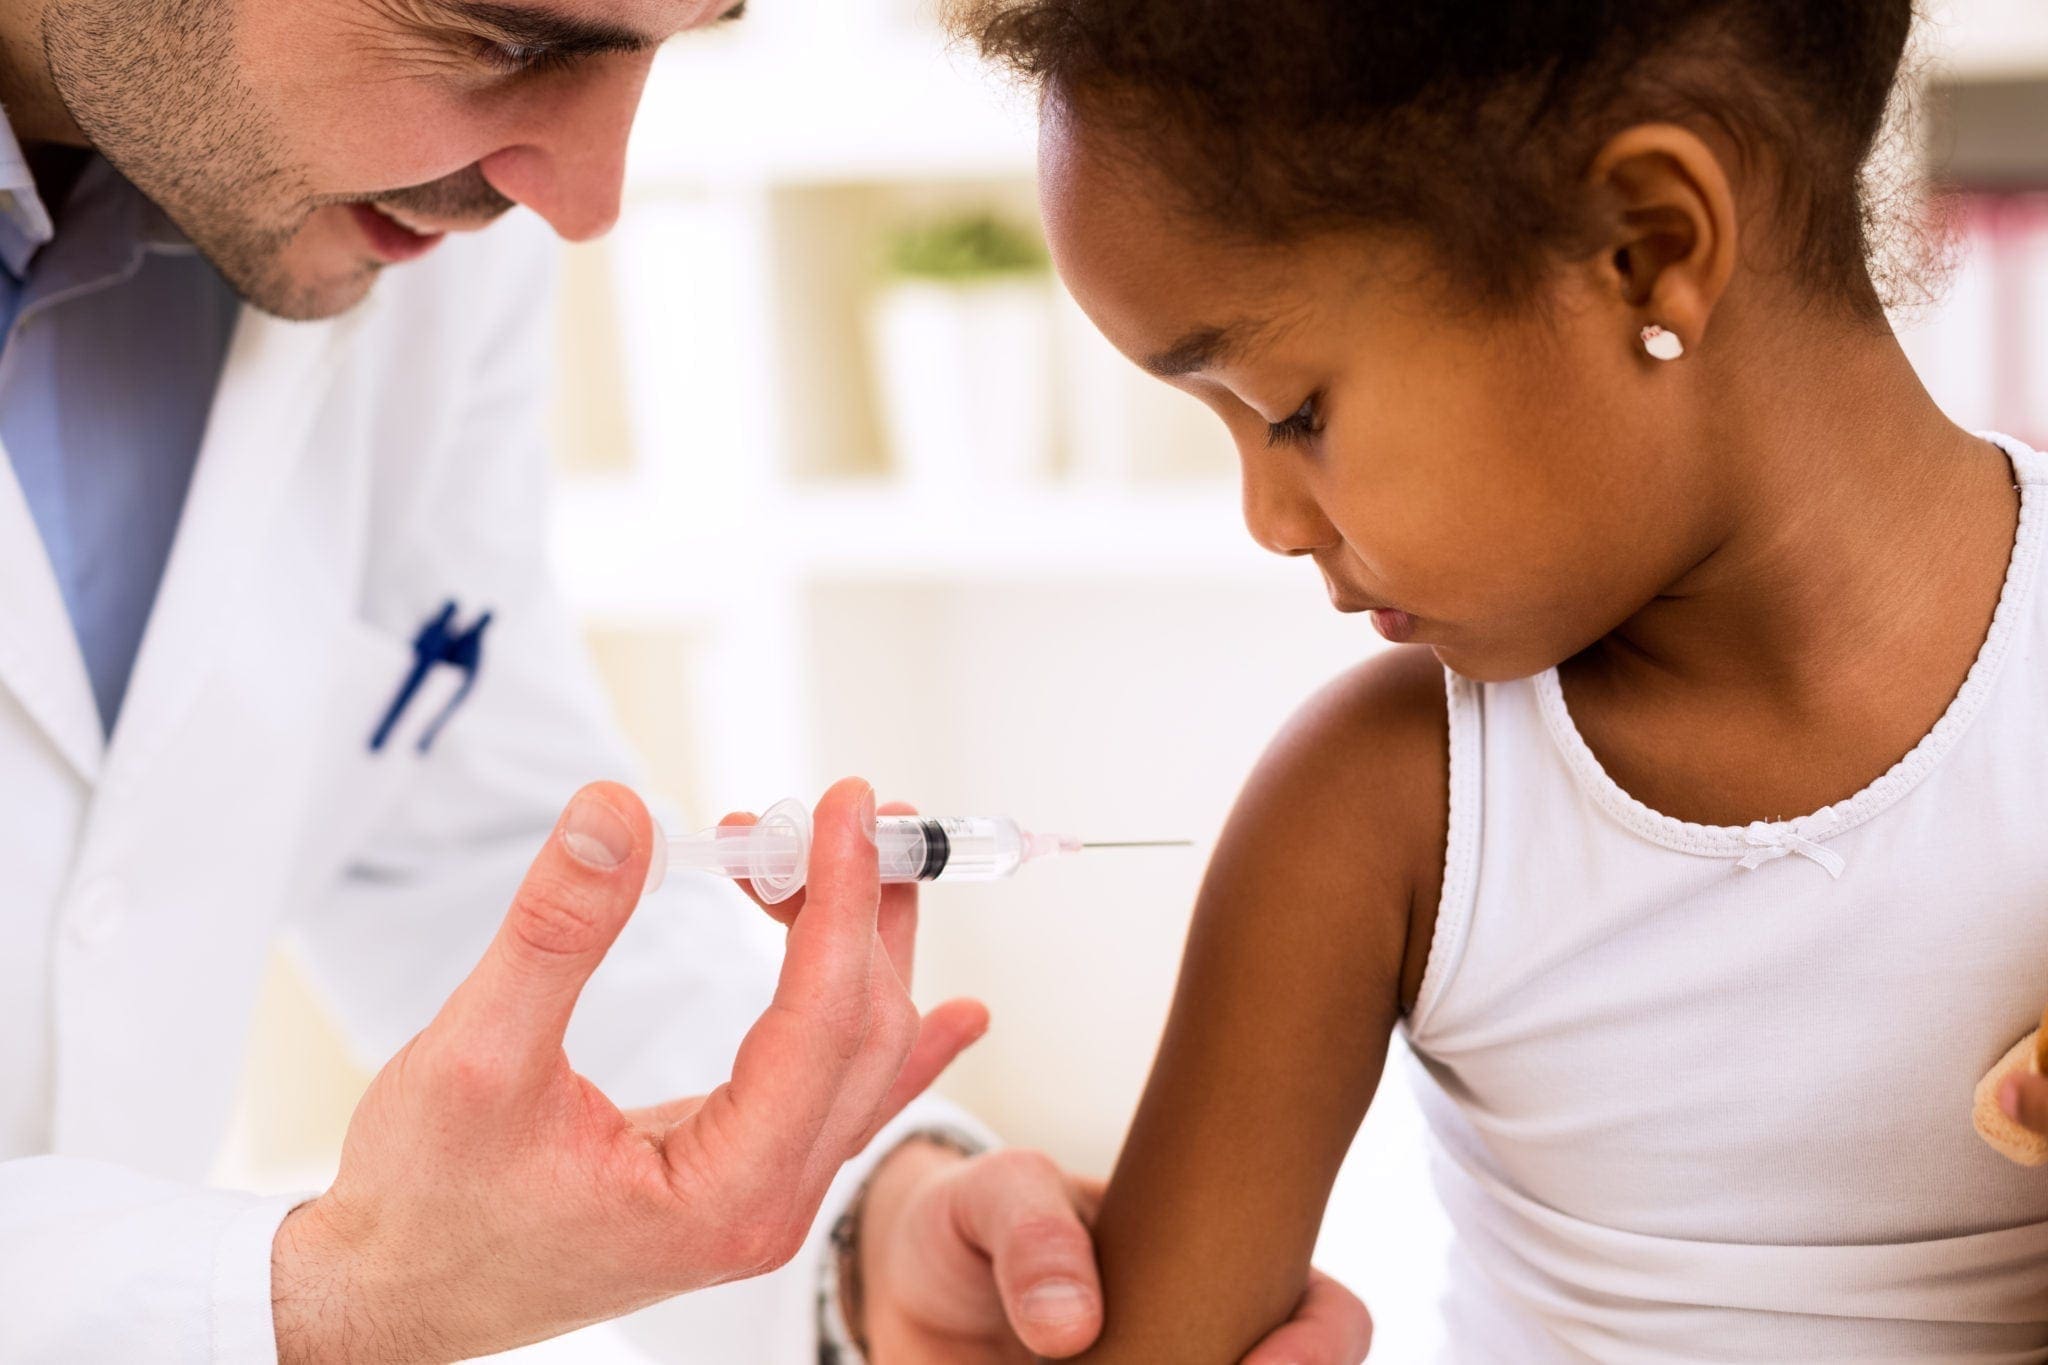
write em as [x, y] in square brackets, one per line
[526, 26]
[551, 31]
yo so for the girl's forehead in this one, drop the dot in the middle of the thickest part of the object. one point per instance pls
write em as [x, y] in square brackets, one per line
[1140, 261]
[1178, 294]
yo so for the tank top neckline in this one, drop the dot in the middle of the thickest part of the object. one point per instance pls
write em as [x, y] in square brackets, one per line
[1763, 839]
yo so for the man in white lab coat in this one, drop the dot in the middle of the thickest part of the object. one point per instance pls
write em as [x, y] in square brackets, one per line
[279, 659]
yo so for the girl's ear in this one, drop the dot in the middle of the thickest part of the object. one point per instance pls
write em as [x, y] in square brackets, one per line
[1666, 226]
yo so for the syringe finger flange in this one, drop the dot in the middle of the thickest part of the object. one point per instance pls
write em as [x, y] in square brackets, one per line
[776, 878]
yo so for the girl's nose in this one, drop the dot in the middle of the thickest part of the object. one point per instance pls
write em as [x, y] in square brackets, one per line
[1281, 514]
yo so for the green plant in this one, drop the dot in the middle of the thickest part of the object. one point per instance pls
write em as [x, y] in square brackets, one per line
[962, 250]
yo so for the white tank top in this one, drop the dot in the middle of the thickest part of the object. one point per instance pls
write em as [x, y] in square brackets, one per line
[1702, 1093]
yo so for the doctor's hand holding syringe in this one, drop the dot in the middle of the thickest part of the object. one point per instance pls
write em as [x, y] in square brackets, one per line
[489, 1196]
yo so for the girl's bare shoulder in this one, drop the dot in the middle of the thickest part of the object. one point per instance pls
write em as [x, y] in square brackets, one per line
[1351, 804]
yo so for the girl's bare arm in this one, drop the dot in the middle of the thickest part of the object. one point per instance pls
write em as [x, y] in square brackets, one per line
[1309, 939]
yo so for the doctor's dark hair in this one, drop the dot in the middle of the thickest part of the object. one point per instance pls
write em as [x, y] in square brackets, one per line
[1470, 120]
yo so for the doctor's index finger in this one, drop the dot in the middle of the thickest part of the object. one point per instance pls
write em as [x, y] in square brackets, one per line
[799, 1057]
[783, 913]
[832, 938]
[896, 922]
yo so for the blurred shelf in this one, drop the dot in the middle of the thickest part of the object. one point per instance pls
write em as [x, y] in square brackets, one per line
[847, 105]
[619, 555]
[1990, 39]
[881, 108]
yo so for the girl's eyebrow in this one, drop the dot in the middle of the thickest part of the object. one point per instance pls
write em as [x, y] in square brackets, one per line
[1198, 350]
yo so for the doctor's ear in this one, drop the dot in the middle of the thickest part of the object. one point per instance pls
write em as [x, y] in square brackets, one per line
[1664, 230]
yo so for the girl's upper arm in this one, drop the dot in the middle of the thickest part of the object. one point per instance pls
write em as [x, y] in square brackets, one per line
[1308, 940]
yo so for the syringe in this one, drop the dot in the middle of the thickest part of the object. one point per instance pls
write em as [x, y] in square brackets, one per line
[774, 853]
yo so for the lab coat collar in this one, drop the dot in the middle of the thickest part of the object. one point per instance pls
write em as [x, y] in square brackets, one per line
[257, 429]
[40, 661]
[257, 432]
[270, 391]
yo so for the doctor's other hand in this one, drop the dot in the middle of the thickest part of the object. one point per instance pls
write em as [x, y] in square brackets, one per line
[2024, 1098]
[489, 1196]
[989, 1259]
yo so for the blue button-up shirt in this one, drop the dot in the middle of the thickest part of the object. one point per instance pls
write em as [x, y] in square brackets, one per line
[112, 333]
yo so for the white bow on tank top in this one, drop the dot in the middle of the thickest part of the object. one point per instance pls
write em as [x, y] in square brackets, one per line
[1702, 1093]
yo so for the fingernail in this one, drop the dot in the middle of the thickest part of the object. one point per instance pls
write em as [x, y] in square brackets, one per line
[595, 834]
[2009, 1099]
[1053, 1302]
[867, 815]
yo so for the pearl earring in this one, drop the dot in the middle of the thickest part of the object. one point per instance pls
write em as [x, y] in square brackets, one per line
[1662, 344]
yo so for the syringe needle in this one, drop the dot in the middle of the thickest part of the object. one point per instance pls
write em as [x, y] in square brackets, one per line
[1141, 843]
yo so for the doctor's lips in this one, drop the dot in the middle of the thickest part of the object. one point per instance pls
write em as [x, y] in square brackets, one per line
[391, 241]
[404, 224]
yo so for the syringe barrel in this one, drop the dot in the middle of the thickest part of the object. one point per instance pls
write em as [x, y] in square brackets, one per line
[953, 849]
[774, 854]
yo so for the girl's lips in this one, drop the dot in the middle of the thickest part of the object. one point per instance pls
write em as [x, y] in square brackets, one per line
[391, 242]
[1392, 622]
[1396, 626]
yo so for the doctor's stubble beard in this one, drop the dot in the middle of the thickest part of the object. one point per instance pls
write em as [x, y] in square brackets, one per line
[154, 86]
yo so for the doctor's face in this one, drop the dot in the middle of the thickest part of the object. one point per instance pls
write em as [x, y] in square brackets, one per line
[304, 145]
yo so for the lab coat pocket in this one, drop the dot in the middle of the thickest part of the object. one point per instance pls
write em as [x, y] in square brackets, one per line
[360, 783]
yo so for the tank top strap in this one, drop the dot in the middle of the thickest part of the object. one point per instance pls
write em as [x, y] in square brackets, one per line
[1465, 704]
[2029, 466]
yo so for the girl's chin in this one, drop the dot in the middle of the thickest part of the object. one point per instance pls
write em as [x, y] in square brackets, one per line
[1490, 666]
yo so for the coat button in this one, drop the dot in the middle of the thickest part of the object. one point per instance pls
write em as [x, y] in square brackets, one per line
[101, 908]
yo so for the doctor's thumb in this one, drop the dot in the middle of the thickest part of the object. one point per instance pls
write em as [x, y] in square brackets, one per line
[564, 917]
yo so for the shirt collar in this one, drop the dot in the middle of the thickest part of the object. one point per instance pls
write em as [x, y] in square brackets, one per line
[25, 226]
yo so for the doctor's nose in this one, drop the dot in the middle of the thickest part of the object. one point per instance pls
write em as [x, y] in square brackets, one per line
[572, 169]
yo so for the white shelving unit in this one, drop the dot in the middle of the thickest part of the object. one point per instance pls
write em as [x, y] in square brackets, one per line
[1989, 39]
[770, 166]
[774, 108]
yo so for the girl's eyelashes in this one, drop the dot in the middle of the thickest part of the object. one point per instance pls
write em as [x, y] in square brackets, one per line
[1303, 427]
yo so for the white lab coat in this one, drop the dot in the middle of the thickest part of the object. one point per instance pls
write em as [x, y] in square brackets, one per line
[355, 475]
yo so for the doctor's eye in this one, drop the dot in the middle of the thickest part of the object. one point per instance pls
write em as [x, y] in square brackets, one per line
[517, 59]
[1303, 427]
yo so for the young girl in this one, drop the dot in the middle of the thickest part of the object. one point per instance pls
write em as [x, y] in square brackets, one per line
[1695, 835]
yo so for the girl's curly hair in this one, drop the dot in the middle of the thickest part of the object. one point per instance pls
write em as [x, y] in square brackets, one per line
[1469, 120]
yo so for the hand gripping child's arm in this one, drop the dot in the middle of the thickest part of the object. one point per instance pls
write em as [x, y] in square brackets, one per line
[1309, 937]
[2010, 1106]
